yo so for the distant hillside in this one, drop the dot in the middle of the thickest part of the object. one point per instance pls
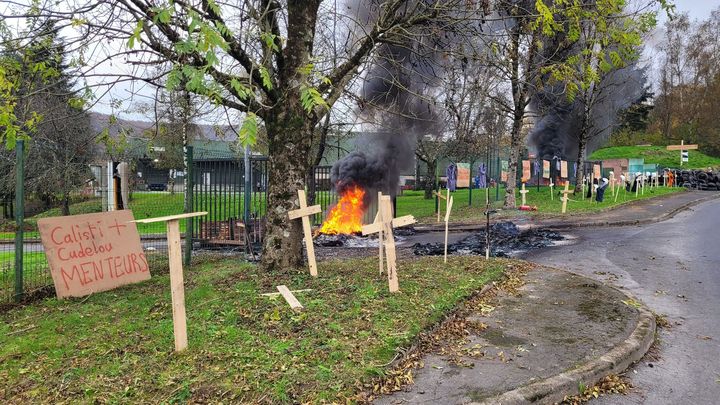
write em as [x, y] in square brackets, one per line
[657, 154]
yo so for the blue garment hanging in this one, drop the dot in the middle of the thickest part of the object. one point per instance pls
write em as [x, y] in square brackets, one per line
[451, 174]
[482, 176]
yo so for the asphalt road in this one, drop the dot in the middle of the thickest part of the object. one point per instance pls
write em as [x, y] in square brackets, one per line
[674, 268]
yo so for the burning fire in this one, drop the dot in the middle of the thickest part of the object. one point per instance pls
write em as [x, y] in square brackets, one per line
[346, 216]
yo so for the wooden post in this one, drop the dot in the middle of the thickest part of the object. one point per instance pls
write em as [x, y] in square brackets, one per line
[304, 212]
[440, 196]
[523, 191]
[177, 287]
[447, 219]
[386, 216]
[386, 224]
[380, 234]
[565, 196]
[552, 196]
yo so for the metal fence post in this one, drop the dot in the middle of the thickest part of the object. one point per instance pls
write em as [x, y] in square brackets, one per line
[19, 216]
[188, 204]
[247, 189]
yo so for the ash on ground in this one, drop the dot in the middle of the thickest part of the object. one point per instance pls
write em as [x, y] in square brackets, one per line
[358, 241]
[506, 239]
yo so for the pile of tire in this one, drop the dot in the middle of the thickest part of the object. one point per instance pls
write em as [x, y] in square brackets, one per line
[698, 179]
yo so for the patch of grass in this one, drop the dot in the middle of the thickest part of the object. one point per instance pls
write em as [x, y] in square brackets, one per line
[117, 346]
[540, 198]
[659, 155]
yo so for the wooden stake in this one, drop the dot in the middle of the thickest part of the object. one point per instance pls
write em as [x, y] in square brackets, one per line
[565, 197]
[441, 197]
[289, 298]
[177, 287]
[447, 220]
[523, 191]
[304, 212]
[386, 215]
[380, 234]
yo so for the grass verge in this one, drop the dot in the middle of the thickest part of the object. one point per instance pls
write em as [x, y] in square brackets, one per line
[659, 155]
[117, 346]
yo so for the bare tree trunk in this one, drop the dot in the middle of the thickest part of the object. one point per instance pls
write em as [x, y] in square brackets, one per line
[289, 145]
[66, 204]
[515, 145]
[430, 183]
[582, 147]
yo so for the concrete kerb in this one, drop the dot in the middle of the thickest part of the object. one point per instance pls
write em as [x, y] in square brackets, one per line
[617, 360]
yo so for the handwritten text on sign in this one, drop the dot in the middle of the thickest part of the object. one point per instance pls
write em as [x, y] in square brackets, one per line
[93, 252]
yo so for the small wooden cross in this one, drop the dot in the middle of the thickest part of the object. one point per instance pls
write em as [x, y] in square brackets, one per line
[523, 191]
[304, 212]
[447, 199]
[612, 182]
[552, 197]
[584, 183]
[177, 287]
[665, 178]
[565, 197]
[447, 219]
[385, 225]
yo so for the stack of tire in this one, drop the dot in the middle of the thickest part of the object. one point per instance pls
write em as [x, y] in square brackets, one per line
[698, 179]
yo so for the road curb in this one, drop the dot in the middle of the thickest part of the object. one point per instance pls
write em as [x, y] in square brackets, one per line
[555, 388]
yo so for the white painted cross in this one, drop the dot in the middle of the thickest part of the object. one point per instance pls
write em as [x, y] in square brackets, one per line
[304, 212]
[523, 191]
[385, 225]
[177, 286]
[565, 197]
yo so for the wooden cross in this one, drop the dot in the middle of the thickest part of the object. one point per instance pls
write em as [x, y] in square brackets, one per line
[304, 212]
[584, 183]
[612, 183]
[565, 197]
[683, 149]
[523, 192]
[665, 178]
[636, 180]
[447, 219]
[447, 199]
[177, 287]
[385, 225]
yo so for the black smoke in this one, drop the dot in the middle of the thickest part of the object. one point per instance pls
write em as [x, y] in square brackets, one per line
[557, 130]
[397, 98]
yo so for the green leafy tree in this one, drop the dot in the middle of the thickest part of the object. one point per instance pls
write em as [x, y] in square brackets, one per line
[605, 36]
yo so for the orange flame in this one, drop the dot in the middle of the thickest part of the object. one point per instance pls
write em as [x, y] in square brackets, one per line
[346, 216]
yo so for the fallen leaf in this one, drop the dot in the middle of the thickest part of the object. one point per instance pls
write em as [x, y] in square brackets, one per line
[704, 337]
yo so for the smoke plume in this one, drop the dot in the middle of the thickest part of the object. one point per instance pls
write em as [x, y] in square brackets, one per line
[397, 99]
[557, 132]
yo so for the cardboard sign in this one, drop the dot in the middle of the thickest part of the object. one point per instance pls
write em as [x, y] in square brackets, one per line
[93, 252]
[526, 176]
[546, 169]
[563, 169]
[463, 175]
[596, 171]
